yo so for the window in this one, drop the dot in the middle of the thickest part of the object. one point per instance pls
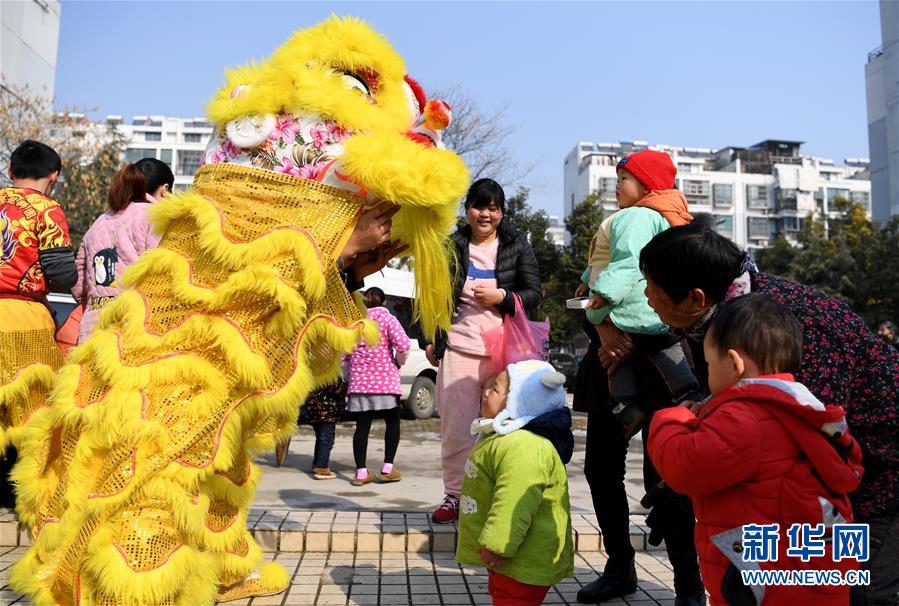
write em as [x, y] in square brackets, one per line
[188, 161]
[834, 192]
[861, 197]
[723, 194]
[193, 137]
[686, 167]
[696, 188]
[757, 196]
[758, 228]
[724, 225]
[786, 199]
[151, 136]
[791, 224]
[165, 155]
[132, 155]
[607, 187]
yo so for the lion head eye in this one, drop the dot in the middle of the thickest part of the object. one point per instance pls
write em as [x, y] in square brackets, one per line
[352, 81]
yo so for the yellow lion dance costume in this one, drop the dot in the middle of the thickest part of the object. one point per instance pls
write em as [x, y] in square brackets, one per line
[138, 478]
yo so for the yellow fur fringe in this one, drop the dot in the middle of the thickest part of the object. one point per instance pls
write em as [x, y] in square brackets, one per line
[304, 75]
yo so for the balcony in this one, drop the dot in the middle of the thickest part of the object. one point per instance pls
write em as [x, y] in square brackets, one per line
[875, 53]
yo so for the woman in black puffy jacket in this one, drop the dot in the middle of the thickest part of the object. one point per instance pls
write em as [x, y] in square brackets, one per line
[494, 263]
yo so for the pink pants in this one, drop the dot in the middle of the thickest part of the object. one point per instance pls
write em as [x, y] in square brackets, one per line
[461, 380]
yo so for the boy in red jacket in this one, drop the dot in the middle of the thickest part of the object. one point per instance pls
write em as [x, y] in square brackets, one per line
[762, 451]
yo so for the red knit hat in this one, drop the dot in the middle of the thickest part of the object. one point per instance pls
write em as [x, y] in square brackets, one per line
[653, 169]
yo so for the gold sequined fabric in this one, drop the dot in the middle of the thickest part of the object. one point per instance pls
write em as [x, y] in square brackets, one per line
[138, 483]
[28, 358]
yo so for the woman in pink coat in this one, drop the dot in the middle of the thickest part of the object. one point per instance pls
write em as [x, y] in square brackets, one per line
[118, 236]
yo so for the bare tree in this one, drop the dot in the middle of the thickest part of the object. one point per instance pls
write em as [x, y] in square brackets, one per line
[90, 152]
[480, 137]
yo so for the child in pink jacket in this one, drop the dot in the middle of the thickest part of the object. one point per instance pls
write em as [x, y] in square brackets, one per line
[373, 390]
[118, 236]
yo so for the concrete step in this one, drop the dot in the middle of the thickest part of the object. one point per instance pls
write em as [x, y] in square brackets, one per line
[289, 530]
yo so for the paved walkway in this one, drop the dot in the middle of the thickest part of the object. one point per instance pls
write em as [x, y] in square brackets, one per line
[418, 457]
[375, 544]
[395, 579]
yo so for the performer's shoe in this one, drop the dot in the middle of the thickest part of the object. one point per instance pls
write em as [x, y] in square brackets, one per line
[281, 452]
[269, 579]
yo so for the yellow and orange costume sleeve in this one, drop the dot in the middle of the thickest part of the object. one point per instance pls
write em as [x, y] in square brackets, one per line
[29, 357]
[139, 476]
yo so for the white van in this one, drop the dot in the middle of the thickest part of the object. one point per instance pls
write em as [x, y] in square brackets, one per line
[417, 376]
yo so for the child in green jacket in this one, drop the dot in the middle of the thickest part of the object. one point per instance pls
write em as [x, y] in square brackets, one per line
[649, 205]
[514, 512]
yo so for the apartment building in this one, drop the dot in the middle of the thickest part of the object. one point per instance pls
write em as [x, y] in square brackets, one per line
[754, 193]
[179, 142]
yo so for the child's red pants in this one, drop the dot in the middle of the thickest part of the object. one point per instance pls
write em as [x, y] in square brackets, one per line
[506, 591]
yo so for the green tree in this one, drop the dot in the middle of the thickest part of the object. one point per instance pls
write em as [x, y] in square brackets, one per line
[91, 153]
[581, 225]
[777, 258]
[535, 225]
[847, 256]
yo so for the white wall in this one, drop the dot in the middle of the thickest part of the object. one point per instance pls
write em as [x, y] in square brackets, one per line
[29, 38]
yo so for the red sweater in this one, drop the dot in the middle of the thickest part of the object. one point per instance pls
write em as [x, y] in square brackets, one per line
[758, 454]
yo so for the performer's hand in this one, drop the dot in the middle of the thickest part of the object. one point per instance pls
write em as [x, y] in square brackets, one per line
[581, 290]
[371, 261]
[372, 229]
[431, 355]
[488, 297]
[491, 559]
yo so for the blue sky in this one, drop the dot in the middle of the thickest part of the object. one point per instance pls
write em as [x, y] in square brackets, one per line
[701, 74]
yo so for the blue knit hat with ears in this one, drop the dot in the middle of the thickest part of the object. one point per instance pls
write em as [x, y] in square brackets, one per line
[535, 388]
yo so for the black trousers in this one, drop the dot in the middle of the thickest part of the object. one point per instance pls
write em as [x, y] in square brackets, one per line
[363, 427]
[883, 564]
[604, 467]
[7, 489]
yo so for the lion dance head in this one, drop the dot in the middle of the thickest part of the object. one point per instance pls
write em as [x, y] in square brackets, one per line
[334, 104]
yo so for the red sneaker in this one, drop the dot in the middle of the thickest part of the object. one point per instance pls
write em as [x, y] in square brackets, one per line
[448, 511]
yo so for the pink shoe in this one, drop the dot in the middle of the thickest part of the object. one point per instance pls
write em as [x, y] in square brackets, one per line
[448, 511]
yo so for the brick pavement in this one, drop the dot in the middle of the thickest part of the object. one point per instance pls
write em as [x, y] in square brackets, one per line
[410, 579]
